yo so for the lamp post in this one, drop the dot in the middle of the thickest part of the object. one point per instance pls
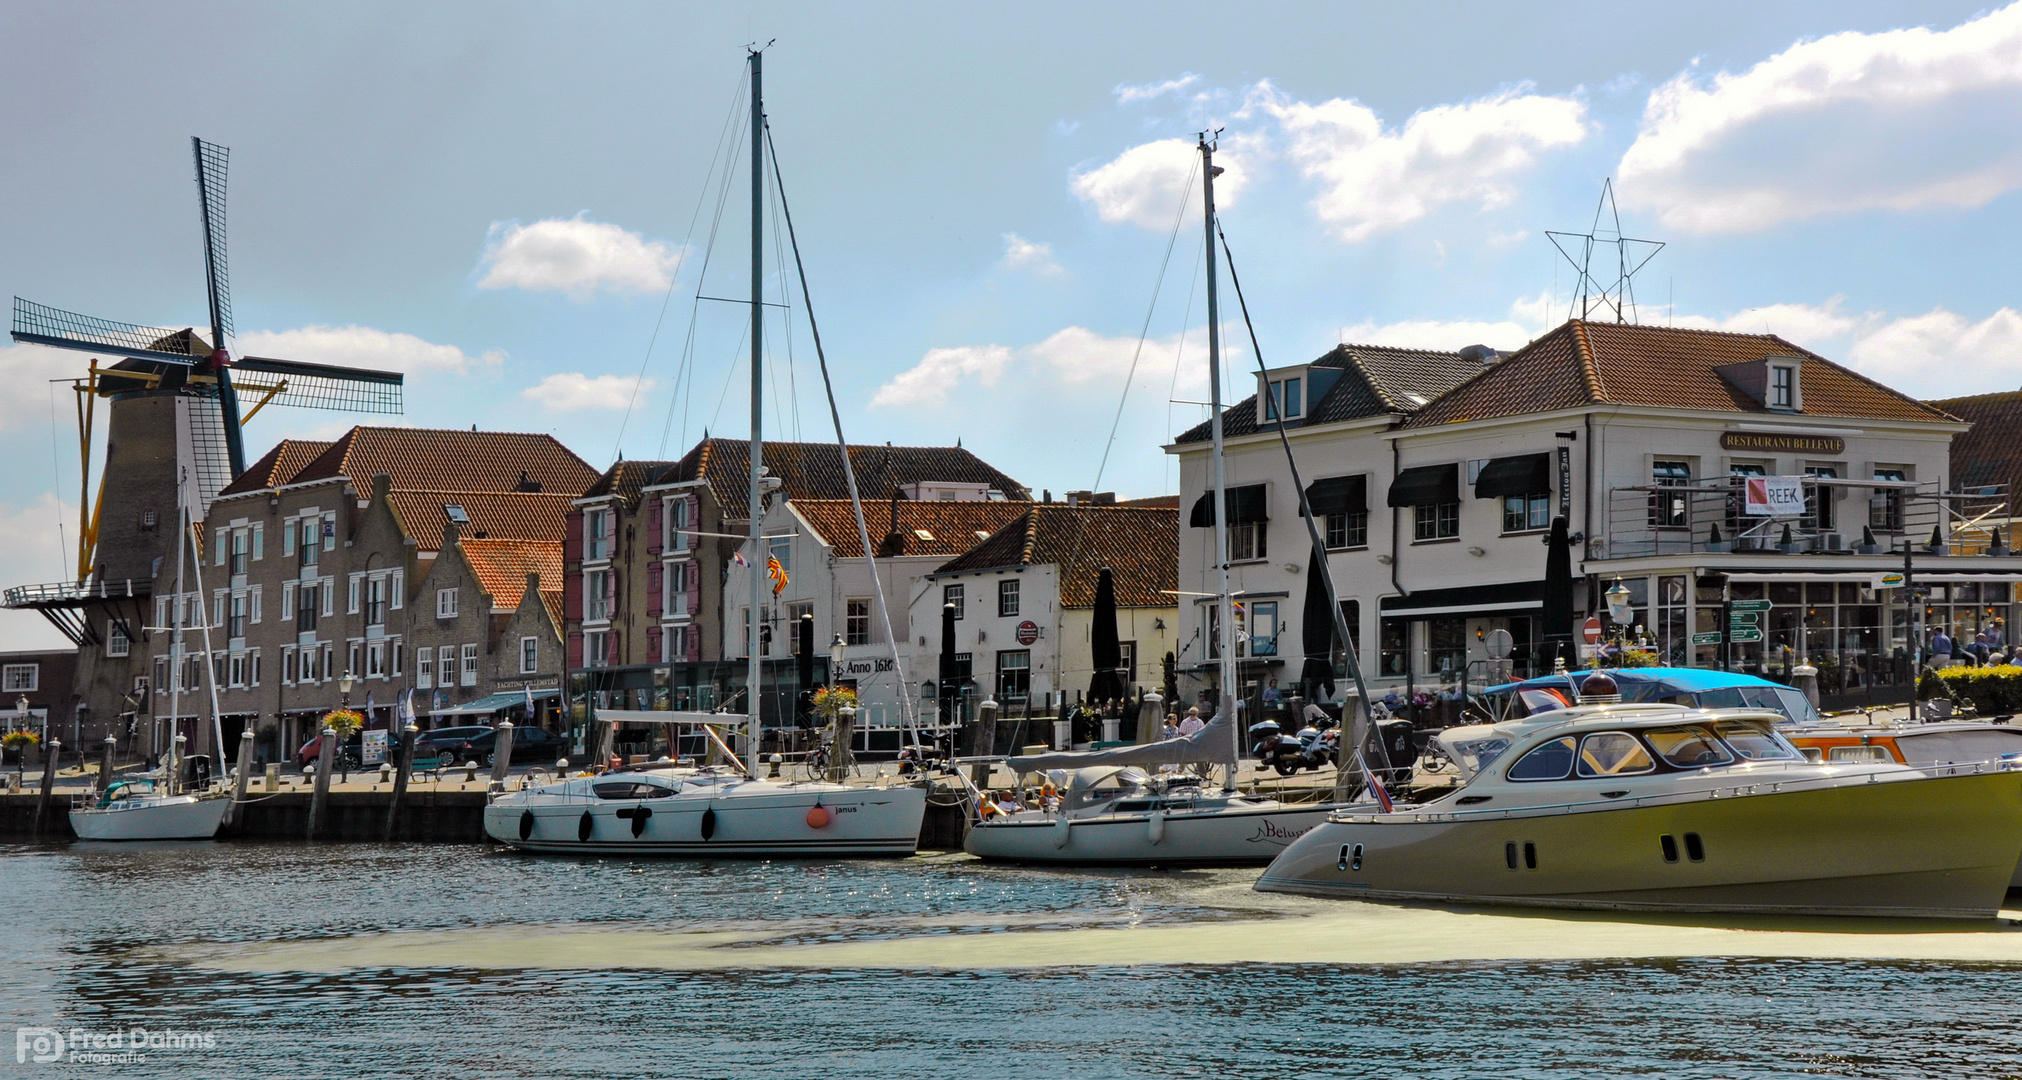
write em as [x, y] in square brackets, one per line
[344, 683]
[835, 660]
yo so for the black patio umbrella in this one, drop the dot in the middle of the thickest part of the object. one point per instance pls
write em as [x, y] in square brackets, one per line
[1105, 649]
[1316, 632]
[950, 696]
[1557, 631]
[803, 643]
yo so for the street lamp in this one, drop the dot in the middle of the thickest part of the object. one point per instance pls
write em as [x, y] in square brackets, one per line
[1618, 602]
[835, 659]
[344, 682]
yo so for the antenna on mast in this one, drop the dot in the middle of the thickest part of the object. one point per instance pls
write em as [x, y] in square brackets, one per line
[1631, 254]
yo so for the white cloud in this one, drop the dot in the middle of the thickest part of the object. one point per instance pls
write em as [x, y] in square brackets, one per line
[1144, 184]
[1033, 255]
[1075, 358]
[35, 554]
[1943, 354]
[1126, 94]
[1809, 325]
[577, 257]
[1368, 177]
[1374, 178]
[1528, 318]
[29, 369]
[1899, 120]
[573, 390]
[364, 347]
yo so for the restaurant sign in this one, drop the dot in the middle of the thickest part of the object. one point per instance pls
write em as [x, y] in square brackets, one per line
[1765, 443]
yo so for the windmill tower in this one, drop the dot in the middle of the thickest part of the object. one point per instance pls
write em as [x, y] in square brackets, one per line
[173, 410]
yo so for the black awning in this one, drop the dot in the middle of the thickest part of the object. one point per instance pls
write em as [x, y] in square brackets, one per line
[1527, 474]
[1247, 505]
[1338, 495]
[1426, 485]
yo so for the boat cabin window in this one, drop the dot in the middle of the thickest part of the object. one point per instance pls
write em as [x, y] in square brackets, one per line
[1688, 747]
[627, 789]
[1859, 753]
[1757, 744]
[1613, 753]
[1551, 761]
[1783, 699]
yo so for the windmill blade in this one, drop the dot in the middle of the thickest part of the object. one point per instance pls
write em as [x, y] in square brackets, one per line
[322, 386]
[40, 324]
[211, 162]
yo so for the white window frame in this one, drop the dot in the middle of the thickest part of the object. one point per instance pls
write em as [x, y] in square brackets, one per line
[1010, 599]
[467, 676]
[11, 681]
[116, 643]
[445, 603]
[424, 668]
[530, 655]
[445, 666]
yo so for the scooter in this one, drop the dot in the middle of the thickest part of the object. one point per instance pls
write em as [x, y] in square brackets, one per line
[1287, 754]
[1320, 743]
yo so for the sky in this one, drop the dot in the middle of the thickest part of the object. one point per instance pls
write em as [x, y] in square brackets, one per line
[525, 207]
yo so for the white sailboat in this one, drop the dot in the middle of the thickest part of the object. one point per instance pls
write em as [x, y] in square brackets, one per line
[1111, 812]
[717, 812]
[154, 807]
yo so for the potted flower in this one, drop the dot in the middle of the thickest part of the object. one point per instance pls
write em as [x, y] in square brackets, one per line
[14, 746]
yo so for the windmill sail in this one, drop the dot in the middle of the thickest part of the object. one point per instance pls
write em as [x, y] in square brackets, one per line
[40, 324]
[211, 162]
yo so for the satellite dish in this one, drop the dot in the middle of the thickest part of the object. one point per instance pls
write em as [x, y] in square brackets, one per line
[1499, 644]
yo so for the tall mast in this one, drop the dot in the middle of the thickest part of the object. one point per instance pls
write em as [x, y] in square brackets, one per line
[176, 610]
[1224, 608]
[755, 667]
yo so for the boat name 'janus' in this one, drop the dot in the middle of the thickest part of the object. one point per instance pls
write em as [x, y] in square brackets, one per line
[1270, 832]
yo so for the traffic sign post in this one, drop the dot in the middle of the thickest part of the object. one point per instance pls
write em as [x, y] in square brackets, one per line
[1711, 637]
[1748, 605]
[1591, 630]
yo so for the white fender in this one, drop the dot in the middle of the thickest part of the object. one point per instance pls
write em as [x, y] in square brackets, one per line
[1156, 828]
[1060, 828]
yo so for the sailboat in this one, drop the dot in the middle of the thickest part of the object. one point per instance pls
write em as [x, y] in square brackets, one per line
[717, 812]
[155, 807]
[1113, 812]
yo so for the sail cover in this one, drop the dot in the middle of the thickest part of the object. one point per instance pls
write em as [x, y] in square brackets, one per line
[1209, 744]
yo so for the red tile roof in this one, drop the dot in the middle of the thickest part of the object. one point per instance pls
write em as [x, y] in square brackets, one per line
[1991, 451]
[501, 567]
[423, 459]
[921, 528]
[814, 470]
[1375, 379]
[1585, 363]
[278, 467]
[624, 479]
[497, 514]
[1139, 544]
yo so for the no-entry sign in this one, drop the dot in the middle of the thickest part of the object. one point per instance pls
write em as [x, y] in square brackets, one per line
[1591, 630]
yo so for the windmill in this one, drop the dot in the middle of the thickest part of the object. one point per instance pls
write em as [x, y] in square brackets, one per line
[175, 402]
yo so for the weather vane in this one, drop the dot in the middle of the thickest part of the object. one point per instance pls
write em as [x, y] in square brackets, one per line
[1630, 256]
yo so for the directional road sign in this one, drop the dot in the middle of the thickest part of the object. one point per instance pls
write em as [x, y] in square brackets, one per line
[1709, 638]
[1749, 605]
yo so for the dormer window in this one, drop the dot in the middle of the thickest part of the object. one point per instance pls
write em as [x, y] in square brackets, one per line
[1285, 394]
[1773, 382]
[1783, 386]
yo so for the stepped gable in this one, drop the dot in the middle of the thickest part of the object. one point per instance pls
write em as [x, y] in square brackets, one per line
[1375, 380]
[277, 467]
[425, 459]
[1139, 544]
[499, 515]
[1990, 452]
[904, 527]
[815, 471]
[1587, 363]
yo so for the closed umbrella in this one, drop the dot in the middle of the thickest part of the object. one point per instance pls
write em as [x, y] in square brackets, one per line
[950, 697]
[1105, 649]
[1316, 633]
[1557, 632]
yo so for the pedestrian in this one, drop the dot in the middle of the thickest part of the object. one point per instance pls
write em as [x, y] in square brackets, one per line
[1941, 647]
[1997, 634]
[1271, 697]
[1193, 721]
[1981, 647]
[1170, 729]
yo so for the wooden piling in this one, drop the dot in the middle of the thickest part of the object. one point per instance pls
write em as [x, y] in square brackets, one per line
[403, 763]
[51, 751]
[105, 763]
[242, 775]
[321, 798]
[501, 754]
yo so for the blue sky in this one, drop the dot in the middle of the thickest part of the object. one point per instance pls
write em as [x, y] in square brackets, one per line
[499, 199]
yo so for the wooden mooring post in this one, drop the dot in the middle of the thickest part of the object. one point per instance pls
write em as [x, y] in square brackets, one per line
[51, 751]
[242, 775]
[403, 763]
[320, 799]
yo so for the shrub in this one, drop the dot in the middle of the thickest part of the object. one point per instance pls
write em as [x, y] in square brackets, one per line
[1932, 686]
[1992, 690]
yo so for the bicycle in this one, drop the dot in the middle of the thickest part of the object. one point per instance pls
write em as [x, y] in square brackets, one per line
[817, 760]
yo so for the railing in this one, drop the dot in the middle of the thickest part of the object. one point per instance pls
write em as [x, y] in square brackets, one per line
[71, 592]
[1706, 516]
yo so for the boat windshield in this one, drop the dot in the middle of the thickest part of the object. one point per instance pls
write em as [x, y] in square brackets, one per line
[1783, 699]
[1756, 743]
[1613, 753]
[1688, 747]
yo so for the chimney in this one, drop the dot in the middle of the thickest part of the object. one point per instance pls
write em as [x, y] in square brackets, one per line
[533, 583]
[448, 535]
[381, 485]
[528, 485]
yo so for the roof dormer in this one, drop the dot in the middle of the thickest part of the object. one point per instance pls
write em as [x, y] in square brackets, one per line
[1293, 389]
[1775, 382]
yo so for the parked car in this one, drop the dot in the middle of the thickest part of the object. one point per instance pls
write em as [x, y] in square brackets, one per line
[453, 742]
[529, 744]
[349, 752]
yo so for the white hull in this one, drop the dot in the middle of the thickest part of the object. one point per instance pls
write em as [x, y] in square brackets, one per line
[742, 818]
[1240, 834]
[174, 817]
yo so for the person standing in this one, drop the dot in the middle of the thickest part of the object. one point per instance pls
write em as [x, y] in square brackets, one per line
[1941, 647]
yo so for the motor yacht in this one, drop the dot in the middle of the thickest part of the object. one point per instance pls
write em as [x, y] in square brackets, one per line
[1665, 807]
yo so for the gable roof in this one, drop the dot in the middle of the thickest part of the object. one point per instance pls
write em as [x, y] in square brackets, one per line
[277, 467]
[1585, 363]
[815, 470]
[1991, 451]
[435, 459]
[501, 568]
[1375, 379]
[950, 528]
[1139, 544]
[624, 479]
[500, 515]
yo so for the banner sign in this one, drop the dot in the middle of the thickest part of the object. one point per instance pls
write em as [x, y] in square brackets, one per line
[1791, 444]
[373, 750]
[1776, 496]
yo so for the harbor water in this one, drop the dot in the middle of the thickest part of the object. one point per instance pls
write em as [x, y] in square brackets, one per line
[285, 960]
